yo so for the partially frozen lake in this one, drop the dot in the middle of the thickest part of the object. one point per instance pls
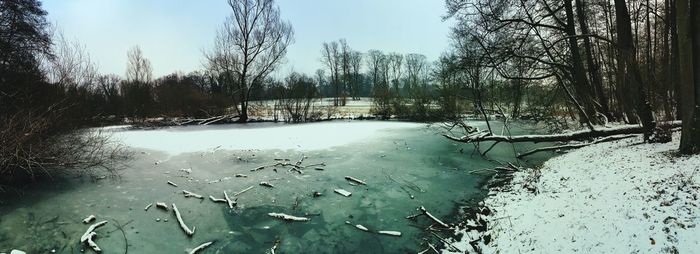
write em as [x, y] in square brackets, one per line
[397, 160]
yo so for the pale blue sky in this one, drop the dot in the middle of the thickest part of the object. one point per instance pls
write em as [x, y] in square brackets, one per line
[173, 33]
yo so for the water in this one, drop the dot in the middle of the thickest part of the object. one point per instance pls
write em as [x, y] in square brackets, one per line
[397, 160]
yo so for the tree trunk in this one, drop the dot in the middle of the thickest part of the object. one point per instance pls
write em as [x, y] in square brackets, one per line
[627, 52]
[593, 68]
[688, 43]
[581, 85]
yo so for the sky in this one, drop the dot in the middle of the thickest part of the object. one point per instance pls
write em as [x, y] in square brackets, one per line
[173, 33]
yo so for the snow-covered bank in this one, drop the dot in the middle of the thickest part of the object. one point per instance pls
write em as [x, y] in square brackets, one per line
[616, 197]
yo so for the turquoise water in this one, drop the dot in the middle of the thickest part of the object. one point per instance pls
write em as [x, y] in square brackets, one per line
[398, 162]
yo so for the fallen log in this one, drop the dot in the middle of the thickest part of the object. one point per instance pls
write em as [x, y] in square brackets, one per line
[355, 180]
[89, 219]
[182, 223]
[572, 136]
[200, 247]
[574, 146]
[287, 217]
[90, 229]
[342, 192]
[433, 218]
[189, 194]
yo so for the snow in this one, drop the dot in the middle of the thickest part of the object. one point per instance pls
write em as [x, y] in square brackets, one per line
[302, 137]
[615, 197]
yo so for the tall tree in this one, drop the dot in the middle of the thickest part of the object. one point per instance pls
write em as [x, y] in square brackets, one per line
[688, 18]
[259, 39]
[627, 54]
[330, 56]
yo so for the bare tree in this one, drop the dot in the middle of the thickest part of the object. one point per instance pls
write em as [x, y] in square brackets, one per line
[330, 56]
[71, 65]
[138, 68]
[257, 39]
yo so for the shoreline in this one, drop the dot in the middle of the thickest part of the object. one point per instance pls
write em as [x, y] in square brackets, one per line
[615, 197]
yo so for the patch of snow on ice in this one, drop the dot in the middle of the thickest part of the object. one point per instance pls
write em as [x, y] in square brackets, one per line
[312, 136]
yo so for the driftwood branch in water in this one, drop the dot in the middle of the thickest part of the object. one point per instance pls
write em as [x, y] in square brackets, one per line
[182, 223]
[287, 217]
[573, 136]
[231, 203]
[91, 242]
[355, 180]
[200, 247]
[244, 190]
[90, 229]
[574, 146]
[433, 218]
[192, 194]
[162, 205]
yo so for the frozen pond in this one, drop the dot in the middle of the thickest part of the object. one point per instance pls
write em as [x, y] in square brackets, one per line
[397, 160]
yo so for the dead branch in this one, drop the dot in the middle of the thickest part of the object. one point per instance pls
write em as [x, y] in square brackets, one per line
[433, 218]
[287, 217]
[200, 247]
[231, 203]
[182, 223]
[352, 179]
[189, 194]
[241, 192]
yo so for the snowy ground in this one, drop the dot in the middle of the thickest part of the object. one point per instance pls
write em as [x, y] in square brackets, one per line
[616, 197]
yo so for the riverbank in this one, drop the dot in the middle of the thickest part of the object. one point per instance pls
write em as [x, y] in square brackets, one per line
[615, 197]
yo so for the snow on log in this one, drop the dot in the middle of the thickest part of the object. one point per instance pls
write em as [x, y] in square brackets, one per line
[433, 218]
[89, 219]
[90, 229]
[200, 247]
[171, 183]
[572, 136]
[241, 192]
[266, 184]
[241, 175]
[162, 205]
[388, 232]
[231, 203]
[355, 180]
[148, 206]
[574, 146]
[189, 194]
[342, 192]
[182, 223]
[287, 217]
[91, 242]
